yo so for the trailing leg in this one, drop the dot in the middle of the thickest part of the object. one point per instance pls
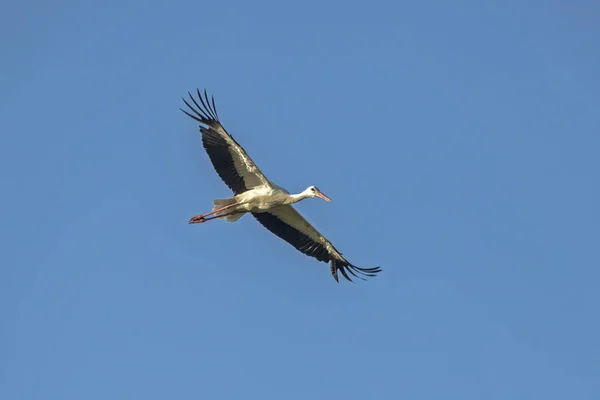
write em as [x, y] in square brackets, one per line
[230, 217]
[220, 205]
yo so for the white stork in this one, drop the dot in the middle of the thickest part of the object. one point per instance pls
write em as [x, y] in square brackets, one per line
[270, 204]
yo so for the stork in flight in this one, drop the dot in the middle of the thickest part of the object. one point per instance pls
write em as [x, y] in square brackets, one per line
[270, 204]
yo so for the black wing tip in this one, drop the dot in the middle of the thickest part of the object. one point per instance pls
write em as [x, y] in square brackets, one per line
[344, 267]
[205, 111]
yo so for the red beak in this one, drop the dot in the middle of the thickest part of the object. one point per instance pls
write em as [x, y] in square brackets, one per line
[322, 196]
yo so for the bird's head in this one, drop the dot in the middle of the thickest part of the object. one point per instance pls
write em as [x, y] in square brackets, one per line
[313, 191]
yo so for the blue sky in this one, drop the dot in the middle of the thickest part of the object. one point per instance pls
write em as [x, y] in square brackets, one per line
[458, 141]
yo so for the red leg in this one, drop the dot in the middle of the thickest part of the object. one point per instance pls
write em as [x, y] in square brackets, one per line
[197, 220]
[202, 217]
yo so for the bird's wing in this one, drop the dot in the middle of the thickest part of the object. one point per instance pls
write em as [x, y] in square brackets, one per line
[229, 159]
[289, 225]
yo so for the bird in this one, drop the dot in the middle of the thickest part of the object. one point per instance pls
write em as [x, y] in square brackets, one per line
[254, 193]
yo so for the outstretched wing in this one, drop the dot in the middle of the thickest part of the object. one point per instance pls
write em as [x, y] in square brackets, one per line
[229, 159]
[289, 225]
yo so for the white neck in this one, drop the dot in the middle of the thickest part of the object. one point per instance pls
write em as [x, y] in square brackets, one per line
[294, 198]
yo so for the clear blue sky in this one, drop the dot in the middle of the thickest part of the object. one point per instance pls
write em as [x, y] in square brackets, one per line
[459, 142]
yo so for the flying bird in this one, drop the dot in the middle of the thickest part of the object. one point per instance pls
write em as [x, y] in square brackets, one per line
[269, 203]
